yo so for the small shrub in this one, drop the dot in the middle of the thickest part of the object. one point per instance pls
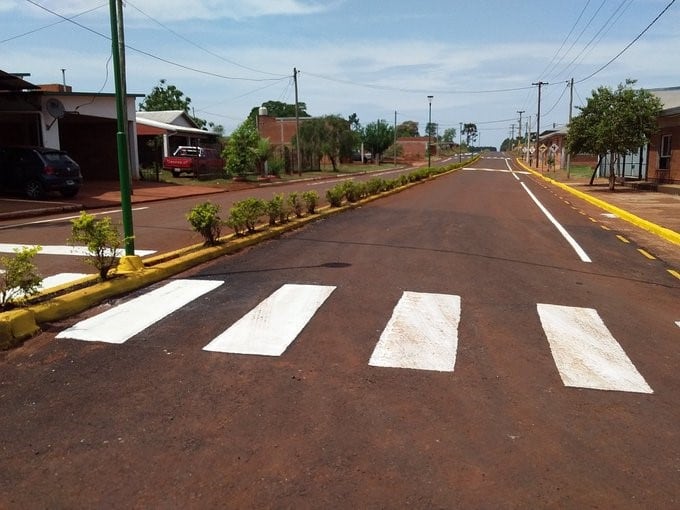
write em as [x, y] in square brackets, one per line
[20, 278]
[101, 238]
[275, 208]
[204, 219]
[335, 195]
[352, 190]
[276, 166]
[295, 204]
[311, 199]
[245, 214]
[375, 186]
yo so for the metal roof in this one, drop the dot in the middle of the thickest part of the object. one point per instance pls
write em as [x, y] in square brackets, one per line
[12, 83]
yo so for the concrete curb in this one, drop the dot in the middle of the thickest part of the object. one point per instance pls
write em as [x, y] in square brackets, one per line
[663, 232]
[19, 324]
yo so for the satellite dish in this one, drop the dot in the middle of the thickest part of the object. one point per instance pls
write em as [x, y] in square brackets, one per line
[55, 108]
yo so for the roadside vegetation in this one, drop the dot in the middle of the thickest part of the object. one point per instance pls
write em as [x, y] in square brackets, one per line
[19, 277]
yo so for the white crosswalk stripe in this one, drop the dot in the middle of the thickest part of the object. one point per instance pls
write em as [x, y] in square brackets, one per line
[269, 328]
[421, 334]
[585, 352]
[121, 322]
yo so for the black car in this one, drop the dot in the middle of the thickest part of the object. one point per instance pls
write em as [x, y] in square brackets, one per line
[38, 170]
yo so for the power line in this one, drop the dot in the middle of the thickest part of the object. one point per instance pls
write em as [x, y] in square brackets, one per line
[156, 57]
[210, 52]
[629, 44]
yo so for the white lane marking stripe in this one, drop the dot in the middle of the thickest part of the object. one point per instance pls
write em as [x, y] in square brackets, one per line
[270, 327]
[64, 250]
[677, 323]
[64, 218]
[61, 279]
[514, 174]
[585, 352]
[422, 333]
[126, 320]
[572, 242]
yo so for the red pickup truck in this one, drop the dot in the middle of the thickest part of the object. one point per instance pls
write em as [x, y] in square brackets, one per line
[198, 161]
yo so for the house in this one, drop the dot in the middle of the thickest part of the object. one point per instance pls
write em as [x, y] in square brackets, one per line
[82, 123]
[664, 148]
[160, 133]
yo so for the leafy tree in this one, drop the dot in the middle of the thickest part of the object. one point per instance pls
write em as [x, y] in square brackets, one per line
[279, 109]
[240, 152]
[312, 139]
[470, 132]
[614, 121]
[339, 139]
[431, 129]
[449, 135]
[168, 97]
[101, 238]
[407, 129]
[354, 123]
[378, 136]
[20, 277]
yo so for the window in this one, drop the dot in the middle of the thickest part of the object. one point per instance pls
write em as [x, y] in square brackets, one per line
[665, 153]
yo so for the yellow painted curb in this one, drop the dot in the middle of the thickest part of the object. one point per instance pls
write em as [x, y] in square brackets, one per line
[663, 232]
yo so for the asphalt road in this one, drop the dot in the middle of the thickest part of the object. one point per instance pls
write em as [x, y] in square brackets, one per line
[434, 371]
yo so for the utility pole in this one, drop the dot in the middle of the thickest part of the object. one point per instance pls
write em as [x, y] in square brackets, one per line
[519, 135]
[528, 154]
[571, 104]
[538, 118]
[460, 140]
[121, 137]
[429, 132]
[512, 136]
[297, 124]
[395, 138]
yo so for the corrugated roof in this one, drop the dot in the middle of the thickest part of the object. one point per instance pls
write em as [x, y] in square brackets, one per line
[174, 117]
[670, 97]
[169, 127]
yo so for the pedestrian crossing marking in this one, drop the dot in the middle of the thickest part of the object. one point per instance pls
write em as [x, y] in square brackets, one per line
[585, 352]
[421, 334]
[60, 279]
[80, 251]
[121, 322]
[270, 327]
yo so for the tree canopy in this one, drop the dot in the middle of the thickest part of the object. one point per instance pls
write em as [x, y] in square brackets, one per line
[614, 121]
[470, 132]
[242, 150]
[168, 97]
[330, 135]
[449, 135]
[407, 129]
[279, 109]
[378, 136]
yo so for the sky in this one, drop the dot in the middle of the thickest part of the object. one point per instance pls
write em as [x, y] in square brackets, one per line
[479, 60]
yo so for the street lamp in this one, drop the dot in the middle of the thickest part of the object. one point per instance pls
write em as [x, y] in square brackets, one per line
[429, 131]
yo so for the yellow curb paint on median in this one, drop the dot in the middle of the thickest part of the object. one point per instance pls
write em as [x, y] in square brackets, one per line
[663, 232]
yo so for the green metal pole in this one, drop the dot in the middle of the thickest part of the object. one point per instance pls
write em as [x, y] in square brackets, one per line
[121, 138]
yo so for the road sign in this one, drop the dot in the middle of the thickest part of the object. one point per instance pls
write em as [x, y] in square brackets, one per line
[542, 148]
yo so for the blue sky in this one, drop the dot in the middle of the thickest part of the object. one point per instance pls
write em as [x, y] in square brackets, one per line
[478, 59]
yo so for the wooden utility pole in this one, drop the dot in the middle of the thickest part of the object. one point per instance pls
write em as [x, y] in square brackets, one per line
[297, 124]
[571, 104]
[538, 119]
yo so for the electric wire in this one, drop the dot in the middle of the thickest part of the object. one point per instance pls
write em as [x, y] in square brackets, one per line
[628, 45]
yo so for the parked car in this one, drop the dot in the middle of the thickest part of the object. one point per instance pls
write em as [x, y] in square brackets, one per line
[36, 171]
[198, 161]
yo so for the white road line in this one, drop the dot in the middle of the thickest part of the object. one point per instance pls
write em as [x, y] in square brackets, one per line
[585, 352]
[126, 320]
[677, 323]
[65, 218]
[422, 333]
[572, 242]
[270, 327]
[61, 279]
[80, 251]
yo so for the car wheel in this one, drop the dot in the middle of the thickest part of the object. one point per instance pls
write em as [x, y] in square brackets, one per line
[34, 190]
[69, 193]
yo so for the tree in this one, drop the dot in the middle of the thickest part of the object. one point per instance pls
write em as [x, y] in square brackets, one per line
[338, 139]
[168, 97]
[449, 135]
[431, 129]
[378, 136]
[240, 152]
[614, 121]
[407, 129]
[312, 137]
[279, 109]
[470, 132]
